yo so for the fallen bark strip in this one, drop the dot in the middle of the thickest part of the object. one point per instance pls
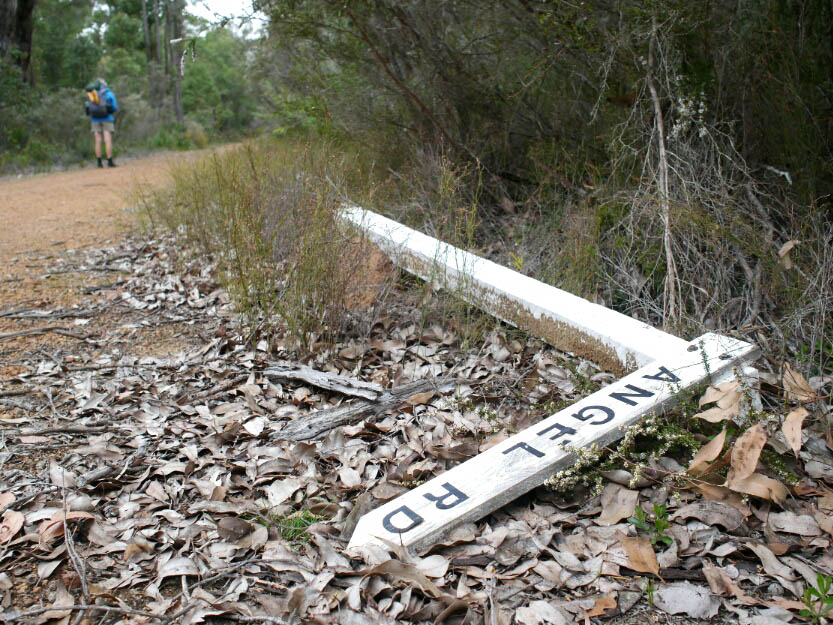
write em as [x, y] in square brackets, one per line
[81, 429]
[327, 381]
[318, 423]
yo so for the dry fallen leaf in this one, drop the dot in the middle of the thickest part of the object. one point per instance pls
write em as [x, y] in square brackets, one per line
[63, 599]
[54, 526]
[792, 428]
[721, 584]
[783, 573]
[176, 567]
[759, 486]
[45, 569]
[280, 490]
[695, 602]
[640, 555]
[255, 426]
[708, 452]
[712, 492]
[232, 528]
[792, 523]
[723, 391]
[617, 503]
[538, 613]
[433, 566]
[60, 476]
[136, 548]
[747, 450]
[602, 605]
[401, 571]
[420, 398]
[796, 386]
[714, 513]
[727, 395]
[10, 525]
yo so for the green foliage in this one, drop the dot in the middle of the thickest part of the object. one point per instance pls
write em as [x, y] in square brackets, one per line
[655, 527]
[297, 114]
[74, 42]
[820, 359]
[216, 89]
[123, 31]
[171, 136]
[63, 55]
[818, 599]
[126, 68]
[292, 527]
[650, 589]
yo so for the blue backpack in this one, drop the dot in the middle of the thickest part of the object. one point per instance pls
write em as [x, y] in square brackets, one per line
[96, 104]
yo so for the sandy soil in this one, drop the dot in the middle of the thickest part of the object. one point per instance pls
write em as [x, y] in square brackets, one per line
[73, 209]
[45, 215]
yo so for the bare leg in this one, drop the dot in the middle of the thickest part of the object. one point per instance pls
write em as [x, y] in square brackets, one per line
[97, 136]
[108, 143]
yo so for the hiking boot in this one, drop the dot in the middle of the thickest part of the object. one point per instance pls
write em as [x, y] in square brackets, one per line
[99, 163]
[110, 163]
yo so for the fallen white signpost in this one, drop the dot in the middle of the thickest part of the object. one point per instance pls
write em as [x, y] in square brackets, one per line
[668, 365]
[608, 338]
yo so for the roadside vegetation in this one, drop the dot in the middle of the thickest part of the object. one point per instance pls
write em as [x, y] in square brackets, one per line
[609, 152]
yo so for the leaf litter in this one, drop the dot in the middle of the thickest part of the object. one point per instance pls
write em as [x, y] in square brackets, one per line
[159, 467]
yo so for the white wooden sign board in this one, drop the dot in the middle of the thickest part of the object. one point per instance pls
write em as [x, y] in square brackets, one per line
[610, 339]
[469, 491]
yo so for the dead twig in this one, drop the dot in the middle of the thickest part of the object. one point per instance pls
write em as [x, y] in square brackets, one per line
[10, 617]
[79, 566]
[80, 429]
[257, 619]
[63, 331]
[17, 392]
[15, 311]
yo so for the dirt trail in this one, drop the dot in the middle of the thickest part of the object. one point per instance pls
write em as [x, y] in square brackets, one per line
[45, 215]
[77, 208]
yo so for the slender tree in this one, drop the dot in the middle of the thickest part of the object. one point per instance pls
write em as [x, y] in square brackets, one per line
[16, 33]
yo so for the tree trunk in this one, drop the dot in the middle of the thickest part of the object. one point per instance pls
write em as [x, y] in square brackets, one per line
[16, 33]
[157, 42]
[177, 45]
[146, 33]
[167, 38]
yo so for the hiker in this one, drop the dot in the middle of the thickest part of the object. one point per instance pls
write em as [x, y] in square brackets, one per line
[100, 106]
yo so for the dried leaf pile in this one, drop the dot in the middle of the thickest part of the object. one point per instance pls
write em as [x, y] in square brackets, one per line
[221, 480]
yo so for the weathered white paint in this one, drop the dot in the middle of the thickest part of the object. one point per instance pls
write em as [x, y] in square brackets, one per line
[471, 490]
[562, 319]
